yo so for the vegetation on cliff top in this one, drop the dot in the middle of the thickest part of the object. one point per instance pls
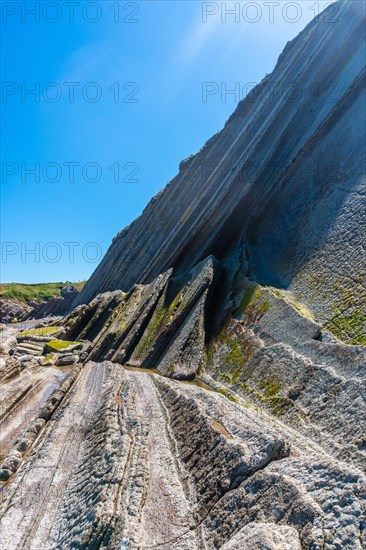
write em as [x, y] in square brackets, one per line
[34, 293]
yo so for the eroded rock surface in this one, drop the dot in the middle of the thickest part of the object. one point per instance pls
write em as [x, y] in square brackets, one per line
[248, 438]
[128, 459]
[279, 194]
[209, 389]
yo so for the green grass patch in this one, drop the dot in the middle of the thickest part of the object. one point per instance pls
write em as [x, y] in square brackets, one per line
[34, 293]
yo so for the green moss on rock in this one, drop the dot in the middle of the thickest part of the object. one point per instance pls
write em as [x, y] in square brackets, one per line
[48, 360]
[292, 301]
[61, 345]
[228, 395]
[349, 328]
[151, 330]
[42, 331]
[248, 297]
[232, 351]
[267, 394]
[270, 388]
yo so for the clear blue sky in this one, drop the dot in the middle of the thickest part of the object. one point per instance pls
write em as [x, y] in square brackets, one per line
[162, 54]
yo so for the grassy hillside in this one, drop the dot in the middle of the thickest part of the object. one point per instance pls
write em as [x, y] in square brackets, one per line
[33, 293]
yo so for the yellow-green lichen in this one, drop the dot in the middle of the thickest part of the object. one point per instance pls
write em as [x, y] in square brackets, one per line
[162, 317]
[228, 395]
[252, 301]
[349, 328]
[248, 297]
[175, 304]
[48, 359]
[254, 304]
[263, 307]
[268, 394]
[233, 351]
[338, 300]
[42, 331]
[270, 388]
[291, 300]
[151, 331]
[60, 345]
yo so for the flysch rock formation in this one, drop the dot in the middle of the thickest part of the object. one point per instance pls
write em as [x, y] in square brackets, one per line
[156, 435]
[208, 389]
[11, 309]
[279, 194]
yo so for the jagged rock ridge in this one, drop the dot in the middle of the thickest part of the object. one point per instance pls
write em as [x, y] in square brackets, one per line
[265, 447]
[193, 407]
[274, 193]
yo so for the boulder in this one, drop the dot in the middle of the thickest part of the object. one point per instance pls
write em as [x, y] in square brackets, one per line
[66, 360]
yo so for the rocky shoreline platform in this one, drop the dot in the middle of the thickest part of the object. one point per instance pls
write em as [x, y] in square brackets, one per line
[122, 427]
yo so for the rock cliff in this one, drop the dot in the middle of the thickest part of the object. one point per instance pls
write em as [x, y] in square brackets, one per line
[274, 193]
[208, 390]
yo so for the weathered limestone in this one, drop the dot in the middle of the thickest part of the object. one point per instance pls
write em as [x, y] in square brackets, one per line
[127, 459]
[11, 309]
[269, 355]
[272, 457]
[301, 495]
[218, 399]
[160, 326]
[274, 193]
[256, 536]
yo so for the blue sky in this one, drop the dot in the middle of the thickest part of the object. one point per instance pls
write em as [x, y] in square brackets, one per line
[118, 103]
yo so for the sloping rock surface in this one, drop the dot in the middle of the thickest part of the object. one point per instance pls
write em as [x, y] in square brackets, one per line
[11, 310]
[275, 192]
[252, 438]
[127, 459]
[209, 389]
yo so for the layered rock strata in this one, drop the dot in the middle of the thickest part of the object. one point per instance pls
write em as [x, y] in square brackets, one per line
[259, 440]
[209, 389]
[134, 460]
[274, 193]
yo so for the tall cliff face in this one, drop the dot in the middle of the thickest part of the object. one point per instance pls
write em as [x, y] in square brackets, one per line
[208, 406]
[273, 194]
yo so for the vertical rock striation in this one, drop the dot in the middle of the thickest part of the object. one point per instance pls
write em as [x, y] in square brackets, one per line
[274, 193]
[214, 391]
